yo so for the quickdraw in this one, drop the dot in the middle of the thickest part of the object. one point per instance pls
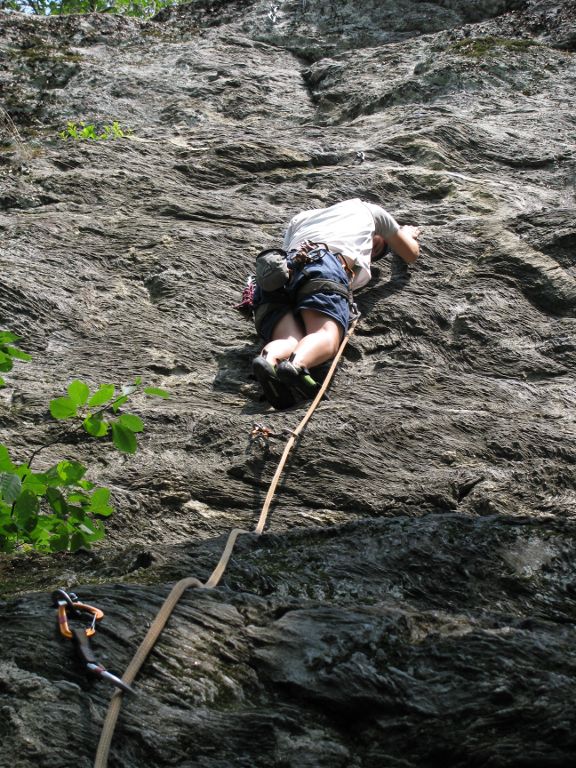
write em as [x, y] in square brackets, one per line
[69, 607]
[263, 435]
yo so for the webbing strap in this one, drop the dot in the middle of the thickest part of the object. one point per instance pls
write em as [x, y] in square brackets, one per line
[323, 285]
[101, 760]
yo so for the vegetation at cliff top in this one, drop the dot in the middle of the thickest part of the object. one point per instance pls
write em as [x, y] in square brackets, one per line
[142, 8]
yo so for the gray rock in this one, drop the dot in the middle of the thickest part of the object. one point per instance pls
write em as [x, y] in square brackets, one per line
[412, 602]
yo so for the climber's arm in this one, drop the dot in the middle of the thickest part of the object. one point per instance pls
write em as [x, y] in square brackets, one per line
[404, 242]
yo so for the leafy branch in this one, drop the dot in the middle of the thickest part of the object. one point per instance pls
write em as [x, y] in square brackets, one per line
[58, 509]
[52, 511]
[98, 410]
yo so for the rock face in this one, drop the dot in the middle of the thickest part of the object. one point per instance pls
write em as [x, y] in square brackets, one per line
[413, 601]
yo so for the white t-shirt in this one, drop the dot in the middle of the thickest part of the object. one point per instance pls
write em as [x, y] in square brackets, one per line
[345, 228]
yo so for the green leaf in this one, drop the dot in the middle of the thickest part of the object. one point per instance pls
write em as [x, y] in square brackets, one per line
[8, 532]
[95, 425]
[70, 472]
[118, 132]
[78, 392]
[99, 502]
[91, 530]
[5, 511]
[63, 408]
[102, 395]
[117, 404]
[123, 439]
[6, 363]
[2, 383]
[51, 477]
[77, 540]
[5, 463]
[35, 483]
[76, 514]
[88, 132]
[59, 543]
[25, 510]
[17, 354]
[131, 422]
[78, 498]
[39, 536]
[100, 498]
[156, 392]
[72, 130]
[10, 487]
[57, 501]
[7, 526]
[7, 336]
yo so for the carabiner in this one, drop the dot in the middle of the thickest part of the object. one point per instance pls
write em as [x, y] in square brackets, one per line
[65, 602]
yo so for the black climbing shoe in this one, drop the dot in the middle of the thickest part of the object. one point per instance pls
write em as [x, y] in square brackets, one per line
[278, 394]
[297, 378]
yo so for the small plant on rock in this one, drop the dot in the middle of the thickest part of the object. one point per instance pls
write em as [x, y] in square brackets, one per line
[83, 132]
[57, 508]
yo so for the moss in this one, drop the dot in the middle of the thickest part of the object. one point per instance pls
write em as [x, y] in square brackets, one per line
[40, 53]
[478, 47]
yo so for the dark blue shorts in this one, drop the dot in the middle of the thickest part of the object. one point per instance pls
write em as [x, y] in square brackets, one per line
[271, 306]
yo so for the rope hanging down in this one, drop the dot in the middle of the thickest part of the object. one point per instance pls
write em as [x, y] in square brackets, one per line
[181, 586]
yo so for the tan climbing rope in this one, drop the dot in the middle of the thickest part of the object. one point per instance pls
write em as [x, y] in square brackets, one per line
[181, 586]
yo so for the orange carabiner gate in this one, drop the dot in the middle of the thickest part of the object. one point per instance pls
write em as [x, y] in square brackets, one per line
[65, 602]
[63, 618]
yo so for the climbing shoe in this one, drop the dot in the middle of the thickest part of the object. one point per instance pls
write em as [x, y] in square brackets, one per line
[276, 392]
[297, 378]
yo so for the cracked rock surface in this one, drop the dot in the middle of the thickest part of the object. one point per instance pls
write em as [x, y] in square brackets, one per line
[412, 601]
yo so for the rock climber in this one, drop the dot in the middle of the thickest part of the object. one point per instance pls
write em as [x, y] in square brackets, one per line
[302, 299]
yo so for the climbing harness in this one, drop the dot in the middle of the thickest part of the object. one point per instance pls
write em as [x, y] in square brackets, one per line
[181, 586]
[302, 281]
[313, 253]
[309, 253]
[69, 607]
